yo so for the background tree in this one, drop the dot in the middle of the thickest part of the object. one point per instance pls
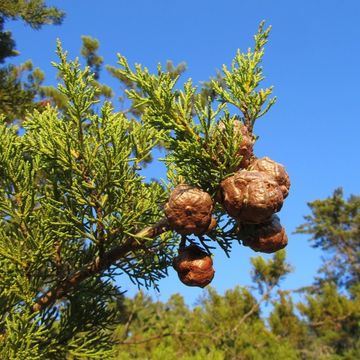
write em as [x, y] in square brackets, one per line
[332, 307]
[334, 226]
[324, 325]
[225, 327]
[20, 85]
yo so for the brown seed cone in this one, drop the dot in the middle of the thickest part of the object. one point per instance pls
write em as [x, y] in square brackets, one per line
[268, 237]
[251, 196]
[194, 266]
[274, 169]
[247, 143]
[188, 210]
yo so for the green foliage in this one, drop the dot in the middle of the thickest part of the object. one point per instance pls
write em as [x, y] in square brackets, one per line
[94, 61]
[70, 195]
[243, 80]
[285, 323]
[24, 335]
[225, 326]
[18, 96]
[90, 161]
[200, 153]
[333, 321]
[16, 93]
[267, 274]
[89, 52]
[34, 12]
[126, 83]
[7, 43]
[334, 227]
[75, 212]
[325, 325]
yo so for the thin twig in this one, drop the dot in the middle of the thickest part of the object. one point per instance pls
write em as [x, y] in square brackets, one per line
[333, 321]
[128, 323]
[255, 307]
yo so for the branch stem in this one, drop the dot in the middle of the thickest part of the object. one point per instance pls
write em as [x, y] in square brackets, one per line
[99, 264]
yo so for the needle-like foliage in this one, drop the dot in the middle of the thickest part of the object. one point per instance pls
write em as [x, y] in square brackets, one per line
[200, 152]
[76, 211]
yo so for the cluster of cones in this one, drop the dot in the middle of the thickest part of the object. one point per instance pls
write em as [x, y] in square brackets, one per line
[252, 196]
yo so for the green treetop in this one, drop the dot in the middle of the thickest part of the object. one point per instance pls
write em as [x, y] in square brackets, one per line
[334, 226]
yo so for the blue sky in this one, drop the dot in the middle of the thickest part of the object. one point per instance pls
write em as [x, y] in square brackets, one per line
[312, 59]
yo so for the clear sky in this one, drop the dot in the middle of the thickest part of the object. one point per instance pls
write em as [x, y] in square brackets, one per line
[312, 59]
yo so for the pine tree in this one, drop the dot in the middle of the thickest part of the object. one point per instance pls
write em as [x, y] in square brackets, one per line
[334, 226]
[332, 306]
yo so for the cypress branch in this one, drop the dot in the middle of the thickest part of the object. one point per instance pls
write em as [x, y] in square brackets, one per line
[99, 264]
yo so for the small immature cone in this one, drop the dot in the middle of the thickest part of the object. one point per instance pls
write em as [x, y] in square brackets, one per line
[251, 196]
[246, 147]
[274, 169]
[194, 266]
[189, 209]
[247, 143]
[268, 237]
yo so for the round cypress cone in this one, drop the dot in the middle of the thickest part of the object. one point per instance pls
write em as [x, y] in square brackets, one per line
[188, 210]
[274, 169]
[194, 266]
[251, 196]
[268, 237]
[247, 143]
